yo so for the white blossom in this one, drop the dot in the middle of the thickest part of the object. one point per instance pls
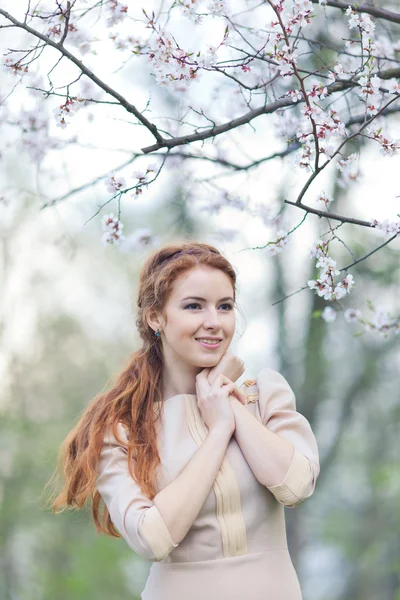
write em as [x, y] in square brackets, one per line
[328, 314]
[352, 315]
[393, 86]
[318, 249]
[295, 95]
[345, 164]
[141, 238]
[116, 12]
[277, 246]
[387, 227]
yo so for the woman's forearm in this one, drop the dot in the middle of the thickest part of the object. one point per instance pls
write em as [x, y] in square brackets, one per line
[180, 502]
[268, 455]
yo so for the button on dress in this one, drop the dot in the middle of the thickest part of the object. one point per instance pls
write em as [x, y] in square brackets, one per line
[236, 548]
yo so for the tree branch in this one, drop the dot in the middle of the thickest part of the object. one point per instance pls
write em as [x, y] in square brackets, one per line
[379, 13]
[338, 86]
[369, 254]
[123, 102]
[329, 215]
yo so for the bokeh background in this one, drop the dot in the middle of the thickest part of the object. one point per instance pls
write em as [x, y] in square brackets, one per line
[67, 327]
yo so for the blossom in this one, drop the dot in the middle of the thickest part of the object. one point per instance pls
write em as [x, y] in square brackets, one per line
[141, 238]
[388, 147]
[328, 314]
[173, 66]
[189, 10]
[277, 246]
[352, 315]
[324, 285]
[318, 91]
[318, 249]
[393, 86]
[114, 184]
[354, 19]
[117, 12]
[381, 323]
[13, 65]
[216, 7]
[64, 111]
[295, 95]
[345, 164]
[338, 68]
[387, 227]
[112, 230]
[366, 24]
[343, 287]
[325, 198]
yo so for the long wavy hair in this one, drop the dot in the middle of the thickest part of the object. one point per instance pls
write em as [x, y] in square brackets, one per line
[132, 399]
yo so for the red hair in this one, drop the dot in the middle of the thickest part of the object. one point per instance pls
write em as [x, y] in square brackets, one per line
[131, 400]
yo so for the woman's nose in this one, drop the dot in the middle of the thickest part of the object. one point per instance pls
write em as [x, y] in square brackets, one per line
[212, 319]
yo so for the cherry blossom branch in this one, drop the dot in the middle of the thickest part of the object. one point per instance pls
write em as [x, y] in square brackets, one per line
[379, 13]
[123, 102]
[337, 151]
[252, 114]
[305, 287]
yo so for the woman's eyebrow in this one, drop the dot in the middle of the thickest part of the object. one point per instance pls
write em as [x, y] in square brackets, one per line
[204, 300]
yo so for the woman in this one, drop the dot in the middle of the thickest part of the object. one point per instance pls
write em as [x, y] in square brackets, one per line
[194, 472]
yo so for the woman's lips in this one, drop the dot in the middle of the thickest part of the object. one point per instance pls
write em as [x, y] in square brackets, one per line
[210, 346]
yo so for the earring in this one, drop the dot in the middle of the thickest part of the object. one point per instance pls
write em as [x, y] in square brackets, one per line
[157, 333]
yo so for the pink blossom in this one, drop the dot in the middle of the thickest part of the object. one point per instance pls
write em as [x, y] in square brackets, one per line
[115, 184]
[112, 230]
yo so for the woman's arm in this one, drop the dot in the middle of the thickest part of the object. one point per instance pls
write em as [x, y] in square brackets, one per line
[269, 455]
[153, 528]
[280, 448]
[180, 502]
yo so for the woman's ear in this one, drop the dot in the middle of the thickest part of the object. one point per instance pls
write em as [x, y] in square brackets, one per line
[153, 320]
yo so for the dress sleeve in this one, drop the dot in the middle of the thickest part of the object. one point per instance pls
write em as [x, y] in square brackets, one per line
[277, 405]
[134, 515]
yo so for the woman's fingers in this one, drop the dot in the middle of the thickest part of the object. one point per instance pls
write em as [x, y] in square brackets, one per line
[202, 384]
[234, 390]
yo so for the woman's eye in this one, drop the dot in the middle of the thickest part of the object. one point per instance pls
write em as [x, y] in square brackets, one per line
[229, 306]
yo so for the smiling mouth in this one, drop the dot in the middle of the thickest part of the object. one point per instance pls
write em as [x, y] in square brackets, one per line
[209, 343]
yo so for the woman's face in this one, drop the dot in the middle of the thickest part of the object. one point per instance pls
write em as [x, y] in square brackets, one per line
[200, 305]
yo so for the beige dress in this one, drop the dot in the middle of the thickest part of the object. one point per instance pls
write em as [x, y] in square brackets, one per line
[236, 548]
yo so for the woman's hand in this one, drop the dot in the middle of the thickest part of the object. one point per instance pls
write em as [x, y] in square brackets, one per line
[230, 365]
[214, 403]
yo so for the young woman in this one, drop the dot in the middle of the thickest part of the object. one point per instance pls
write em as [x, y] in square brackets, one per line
[192, 471]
